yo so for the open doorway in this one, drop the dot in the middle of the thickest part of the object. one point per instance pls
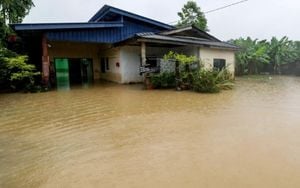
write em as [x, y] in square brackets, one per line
[73, 71]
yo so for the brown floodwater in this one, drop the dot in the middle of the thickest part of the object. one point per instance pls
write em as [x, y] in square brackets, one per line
[122, 136]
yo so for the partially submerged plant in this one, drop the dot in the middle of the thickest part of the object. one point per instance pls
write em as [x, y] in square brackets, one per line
[188, 76]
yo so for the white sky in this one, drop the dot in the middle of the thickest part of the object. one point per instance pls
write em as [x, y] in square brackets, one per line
[255, 18]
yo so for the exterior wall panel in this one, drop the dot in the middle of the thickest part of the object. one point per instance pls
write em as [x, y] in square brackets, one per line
[130, 62]
[76, 50]
[114, 73]
[207, 55]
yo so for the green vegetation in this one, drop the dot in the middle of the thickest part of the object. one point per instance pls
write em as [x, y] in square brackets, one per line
[12, 11]
[191, 14]
[212, 81]
[189, 76]
[15, 73]
[163, 80]
[256, 56]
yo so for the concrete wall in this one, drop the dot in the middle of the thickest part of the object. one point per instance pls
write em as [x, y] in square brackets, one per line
[130, 62]
[207, 56]
[76, 50]
[128, 57]
[161, 51]
[114, 73]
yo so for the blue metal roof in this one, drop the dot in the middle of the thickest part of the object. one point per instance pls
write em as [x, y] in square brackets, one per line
[106, 9]
[63, 26]
[103, 35]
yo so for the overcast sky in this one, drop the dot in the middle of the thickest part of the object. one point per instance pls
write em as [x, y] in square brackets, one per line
[255, 18]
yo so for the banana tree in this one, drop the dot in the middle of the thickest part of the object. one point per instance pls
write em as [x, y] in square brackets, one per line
[281, 52]
[252, 55]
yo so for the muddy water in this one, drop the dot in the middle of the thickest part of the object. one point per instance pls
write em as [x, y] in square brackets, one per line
[122, 136]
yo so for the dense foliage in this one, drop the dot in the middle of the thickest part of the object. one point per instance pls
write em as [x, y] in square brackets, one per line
[191, 14]
[163, 80]
[12, 11]
[189, 76]
[256, 56]
[15, 73]
[212, 81]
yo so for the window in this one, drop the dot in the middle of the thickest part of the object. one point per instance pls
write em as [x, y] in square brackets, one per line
[104, 63]
[219, 64]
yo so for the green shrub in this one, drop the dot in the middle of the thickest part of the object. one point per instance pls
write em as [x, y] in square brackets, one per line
[15, 73]
[193, 77]
[212, 81]
[163, 80]
[205, 81]
[224, 79]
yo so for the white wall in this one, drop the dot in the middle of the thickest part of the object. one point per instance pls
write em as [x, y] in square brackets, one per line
[161, 51]
[207, 56]
[130, 57]
[114, 73]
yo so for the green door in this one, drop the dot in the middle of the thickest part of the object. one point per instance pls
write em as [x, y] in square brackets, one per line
[62, 74]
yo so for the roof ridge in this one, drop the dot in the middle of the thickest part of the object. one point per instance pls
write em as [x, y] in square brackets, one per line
[106, 8]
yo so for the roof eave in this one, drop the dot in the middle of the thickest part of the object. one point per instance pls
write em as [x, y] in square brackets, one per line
[63, 26]
[184, 43]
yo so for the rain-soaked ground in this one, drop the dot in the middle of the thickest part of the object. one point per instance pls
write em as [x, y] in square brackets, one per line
[122, 136]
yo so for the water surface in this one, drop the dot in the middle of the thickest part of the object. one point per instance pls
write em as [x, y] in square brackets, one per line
[122, 136]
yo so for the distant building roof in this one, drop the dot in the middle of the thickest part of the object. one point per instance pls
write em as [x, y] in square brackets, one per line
[107, 10]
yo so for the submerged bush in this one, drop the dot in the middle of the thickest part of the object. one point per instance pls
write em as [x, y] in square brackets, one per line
[205, 81]
[212, 81]
[190, 74]
[163, 80]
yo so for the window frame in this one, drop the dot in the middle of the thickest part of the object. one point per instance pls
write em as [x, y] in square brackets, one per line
[219, 64]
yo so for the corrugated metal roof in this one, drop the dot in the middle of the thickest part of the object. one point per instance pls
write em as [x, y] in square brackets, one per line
[60, 26]
[106, 9]
[200, 33]
[152, 37]
[144, 34]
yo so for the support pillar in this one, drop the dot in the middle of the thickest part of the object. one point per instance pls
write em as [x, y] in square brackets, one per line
[45, 62]
[147, 81]
[143, 53]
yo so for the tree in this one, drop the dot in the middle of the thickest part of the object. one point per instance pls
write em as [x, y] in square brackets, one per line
[297, 48]
[15, 73]
[252, 55]
[281, 51]
[191, 14]
[12, 11]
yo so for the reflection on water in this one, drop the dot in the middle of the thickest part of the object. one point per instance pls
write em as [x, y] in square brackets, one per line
[123, 136]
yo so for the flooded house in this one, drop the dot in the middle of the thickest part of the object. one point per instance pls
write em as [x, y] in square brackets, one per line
[114, 45]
